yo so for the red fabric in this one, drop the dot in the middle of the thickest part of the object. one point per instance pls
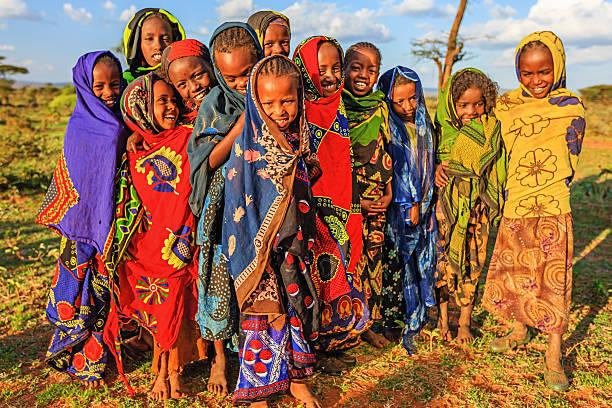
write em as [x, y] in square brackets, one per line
[186, 48]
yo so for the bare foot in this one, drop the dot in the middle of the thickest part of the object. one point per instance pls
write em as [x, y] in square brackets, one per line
[301, 392]
[217, 382]
[375, 339]
[160, 391]
[443, 328]
[259, 404]
[177, 388]
[445, 333]
[464, 334]
[95, 384]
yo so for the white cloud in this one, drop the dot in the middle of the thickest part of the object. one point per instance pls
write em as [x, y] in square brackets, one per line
[77, 14]
[7, 47]
[109, 5]
[128, 13]
[589, 55]
[17, 9]
[234, 10]
[413, 6]
[310, 18]
[502, 11]
[202, 30]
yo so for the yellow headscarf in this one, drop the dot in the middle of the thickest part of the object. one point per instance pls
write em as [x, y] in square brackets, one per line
[543, 138]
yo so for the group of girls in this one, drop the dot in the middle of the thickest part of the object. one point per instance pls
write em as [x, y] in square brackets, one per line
[230, 197]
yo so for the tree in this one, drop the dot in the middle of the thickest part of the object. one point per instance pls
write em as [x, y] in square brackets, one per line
[6, 85]
[444, 52]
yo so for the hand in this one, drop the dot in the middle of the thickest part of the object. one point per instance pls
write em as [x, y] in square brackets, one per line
[441, 178]
[384, 201]
[136, 142]
[415, 214]
[369, 207]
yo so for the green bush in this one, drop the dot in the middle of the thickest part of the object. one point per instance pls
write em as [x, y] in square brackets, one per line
[63, 103]
[597, 93]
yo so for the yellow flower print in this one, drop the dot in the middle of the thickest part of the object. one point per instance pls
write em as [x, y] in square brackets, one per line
[538, 206]
[536, 168]
[238, 214]
[529, 126]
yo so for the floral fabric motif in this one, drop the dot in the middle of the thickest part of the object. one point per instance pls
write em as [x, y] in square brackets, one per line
[538, 206]
[177, 249]
[152, 290]
[536, 167]
[164, 169]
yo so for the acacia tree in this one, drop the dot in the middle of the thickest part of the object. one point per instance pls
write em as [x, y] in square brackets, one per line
[444, 52]
[6, 85]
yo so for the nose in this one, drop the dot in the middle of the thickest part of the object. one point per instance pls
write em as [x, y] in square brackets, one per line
[242, 83]
[276, 49]
[194, 86]
[107, 92]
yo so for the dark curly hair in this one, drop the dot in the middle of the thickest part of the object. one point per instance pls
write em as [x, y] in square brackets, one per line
[361, 45]
[109, 60]
[471, 79]
[232, 38]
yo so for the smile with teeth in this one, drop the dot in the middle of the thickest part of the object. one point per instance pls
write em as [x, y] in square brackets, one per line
[109, 103]
[157, 56]
[170, 116]
[200, 95]
[360, 84]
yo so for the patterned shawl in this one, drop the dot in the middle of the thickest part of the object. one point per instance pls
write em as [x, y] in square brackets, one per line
[80, 202]
[262, 19]
[339, 214]
[258, 190]
[132, 37]
[413, 166]
[543, 138]
[368, 116]
[218, 112]
[476, 170]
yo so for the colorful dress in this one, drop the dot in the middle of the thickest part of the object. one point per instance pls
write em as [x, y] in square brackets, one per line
[155, 281]
[472, 198]
[80, 206]
[338, 240]
[410, 250]
[269, 222]
[368, 119]
[530, 277]
[132, 37]
[219, 111]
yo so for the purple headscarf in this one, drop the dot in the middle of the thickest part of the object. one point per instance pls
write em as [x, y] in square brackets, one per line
[80, 201]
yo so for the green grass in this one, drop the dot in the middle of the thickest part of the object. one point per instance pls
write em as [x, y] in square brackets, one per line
[439, 375]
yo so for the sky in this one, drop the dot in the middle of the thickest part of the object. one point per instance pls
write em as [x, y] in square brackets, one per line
[48, 36]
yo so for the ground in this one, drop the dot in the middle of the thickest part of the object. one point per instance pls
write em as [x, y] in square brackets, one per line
[447, 375]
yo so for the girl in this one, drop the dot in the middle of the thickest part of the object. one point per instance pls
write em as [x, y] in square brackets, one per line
[268, 223]
[530, 278]
[235, 50]
[155, 282]
[273, 32]
[145, 37]
[338, 242]
[80, 207]
[470, 176]
[411, 228]
[368, 118]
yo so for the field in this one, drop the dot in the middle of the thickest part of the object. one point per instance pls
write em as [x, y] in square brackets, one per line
[440, 374]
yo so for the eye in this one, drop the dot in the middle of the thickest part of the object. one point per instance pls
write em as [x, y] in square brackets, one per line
[268, 45]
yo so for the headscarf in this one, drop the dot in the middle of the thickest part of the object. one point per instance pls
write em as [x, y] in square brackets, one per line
[258, 190]
[218, 112]
[541, 167]
[80, 200]
[182, 49]
[368, 116]
[132, 37]
[413, 166]
[262, 19]
[337, 200]
[476, 171]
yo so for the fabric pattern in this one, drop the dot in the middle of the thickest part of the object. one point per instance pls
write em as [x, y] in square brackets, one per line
[338, 241]
[544, 140]
[472, 198]
[132, 38]
[530, 277]
[410, 250]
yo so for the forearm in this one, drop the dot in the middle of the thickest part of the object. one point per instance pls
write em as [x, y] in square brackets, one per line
[221, 151]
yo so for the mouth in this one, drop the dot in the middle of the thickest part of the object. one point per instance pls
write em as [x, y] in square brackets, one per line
[281, 123]
[109, 102]
[360, 85]
[241, 91]
[200, 95]
[328, 86]
[467, 120]
[539, 90]
[170, 117]
[156, 57]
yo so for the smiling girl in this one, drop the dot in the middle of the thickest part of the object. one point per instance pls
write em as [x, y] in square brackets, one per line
[273, 31]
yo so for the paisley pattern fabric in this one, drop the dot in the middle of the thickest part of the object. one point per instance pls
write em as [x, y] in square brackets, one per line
[338, 241]
[530, 277]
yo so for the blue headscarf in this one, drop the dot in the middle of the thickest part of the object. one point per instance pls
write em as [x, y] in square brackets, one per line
[80, 201]
[413, 167]
[218, 112]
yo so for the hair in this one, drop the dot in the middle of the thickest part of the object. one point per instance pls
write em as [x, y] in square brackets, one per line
[470, 79]
[109, 60]
[233, 38]
[536, 44]
[360, 45]
[401, 80]
[161, 16]
[278, 67]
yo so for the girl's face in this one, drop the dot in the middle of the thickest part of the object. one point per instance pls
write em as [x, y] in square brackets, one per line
[155, 36]
[361, 71]
[404, 101]
[277, 40]
[190, 77]
[106, 83]
[278, 97]
[235, 67]
[537, 71]
[165, 107]
[470, 105]
[330, 70]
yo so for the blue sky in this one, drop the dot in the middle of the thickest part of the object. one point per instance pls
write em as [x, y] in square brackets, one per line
[48, 36]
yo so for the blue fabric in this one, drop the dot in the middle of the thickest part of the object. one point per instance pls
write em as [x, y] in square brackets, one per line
[413, 175]
[94, 140]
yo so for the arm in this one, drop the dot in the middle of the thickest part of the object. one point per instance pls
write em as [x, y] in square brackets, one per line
[221, 151]
[379, 206]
